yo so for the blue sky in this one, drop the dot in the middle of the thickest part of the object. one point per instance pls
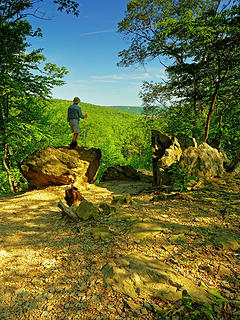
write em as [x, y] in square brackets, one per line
[88, 46]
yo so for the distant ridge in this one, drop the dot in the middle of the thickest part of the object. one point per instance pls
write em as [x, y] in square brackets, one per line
[128, 109]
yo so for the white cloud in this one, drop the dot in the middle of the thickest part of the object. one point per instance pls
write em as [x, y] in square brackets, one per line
[154, 69]
[123, 76]
[142, 76]
[161, 76]
[111, 76]
[96, 32]
[103, 81]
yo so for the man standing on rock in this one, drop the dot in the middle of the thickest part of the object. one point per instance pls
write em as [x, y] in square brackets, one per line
[74, 115]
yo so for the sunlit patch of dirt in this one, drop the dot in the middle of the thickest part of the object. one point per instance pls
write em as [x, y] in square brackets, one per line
[50, 268]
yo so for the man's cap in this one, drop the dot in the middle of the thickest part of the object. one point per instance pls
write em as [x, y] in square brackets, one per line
[76, 100]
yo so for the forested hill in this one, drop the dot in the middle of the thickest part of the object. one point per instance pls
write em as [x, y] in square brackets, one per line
[122, 136]
[59, 103]
[103, 124]
[129, 109]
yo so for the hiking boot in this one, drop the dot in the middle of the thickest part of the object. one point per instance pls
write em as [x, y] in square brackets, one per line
[73, 144]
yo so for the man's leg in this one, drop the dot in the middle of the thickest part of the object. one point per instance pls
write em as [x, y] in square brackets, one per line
[75, 135]
[75, 129]
[74, 140]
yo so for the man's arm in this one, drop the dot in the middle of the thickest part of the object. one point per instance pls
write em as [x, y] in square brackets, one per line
[80, 113]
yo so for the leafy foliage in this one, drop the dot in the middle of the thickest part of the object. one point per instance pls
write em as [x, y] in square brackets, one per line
[15, 10]
[201, 38]
[180, 179]
[201, 41]
[25, 83]
[224, 131]
[122, 137]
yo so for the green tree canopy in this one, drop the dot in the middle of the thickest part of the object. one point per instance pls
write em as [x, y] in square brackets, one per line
[26, 80]
[201, 40]
[15, 10]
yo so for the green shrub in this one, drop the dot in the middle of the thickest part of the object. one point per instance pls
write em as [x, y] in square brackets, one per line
[180, 179]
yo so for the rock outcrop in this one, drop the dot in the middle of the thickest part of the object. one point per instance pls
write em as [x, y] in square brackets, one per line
[201, 161]
[236, 170]
[139, 276]
[166, 151]
[86, 210]
[236, 165]
[226, 241]
[59, 166]
[120, 172]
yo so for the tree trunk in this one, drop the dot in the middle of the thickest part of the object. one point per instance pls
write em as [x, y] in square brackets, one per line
[11, 167]
[210, 112]
[218, 137]
[6, 168]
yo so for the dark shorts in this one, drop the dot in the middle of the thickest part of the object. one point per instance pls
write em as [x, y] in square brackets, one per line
[74, 124]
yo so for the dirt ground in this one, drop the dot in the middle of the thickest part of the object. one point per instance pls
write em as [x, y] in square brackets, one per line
[50, 268]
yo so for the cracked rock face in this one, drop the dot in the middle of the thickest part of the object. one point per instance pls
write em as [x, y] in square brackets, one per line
[59, 166]
[141, 276]
[120, 172]
[166, 151]
[236, 165]
[201, 161]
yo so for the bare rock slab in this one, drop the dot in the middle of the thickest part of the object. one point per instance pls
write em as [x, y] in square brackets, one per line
[86, 210]
[203, 161]
[120, 172]
[141, 276]
[60, 166]
[143, 230]
[226, 241]
[236, 170]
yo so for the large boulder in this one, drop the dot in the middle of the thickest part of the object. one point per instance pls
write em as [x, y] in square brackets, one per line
[86, 210]
[120, 172]
[235, 166]
[236, 170]
[203, 161]
[93, 157]
[166, 151]
[139, 276]
[59, 166]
